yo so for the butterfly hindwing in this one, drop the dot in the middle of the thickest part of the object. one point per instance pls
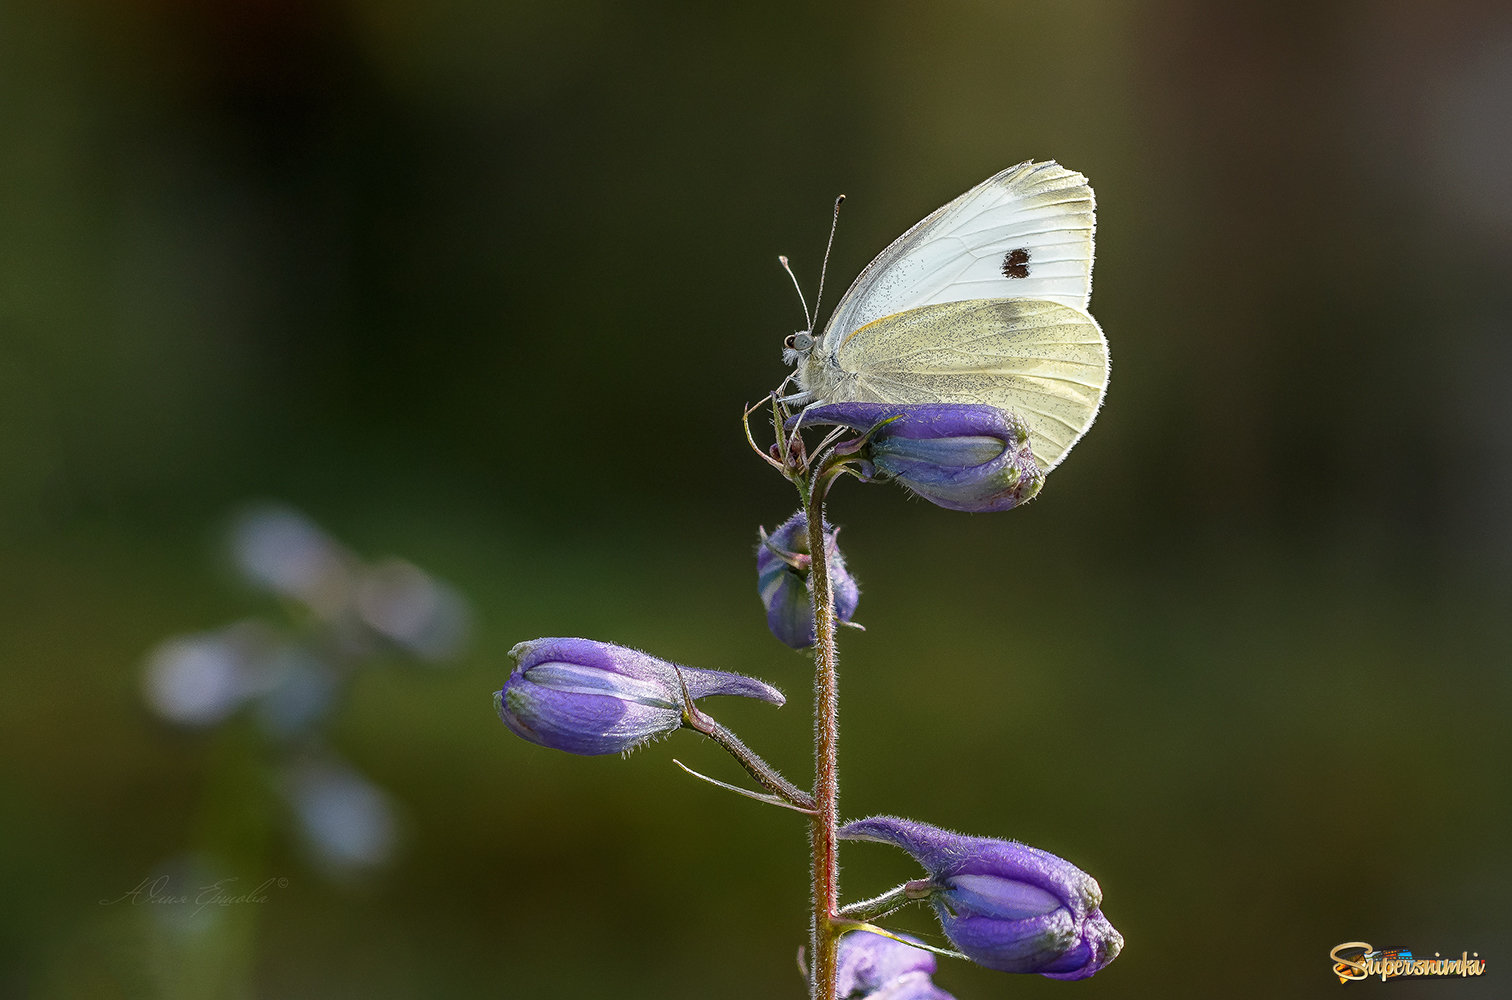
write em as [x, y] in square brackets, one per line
[1041, 360]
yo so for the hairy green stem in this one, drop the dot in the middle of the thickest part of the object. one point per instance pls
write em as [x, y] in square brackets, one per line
[877, 906]
[824, 936]
[892, 899]
[765, 774]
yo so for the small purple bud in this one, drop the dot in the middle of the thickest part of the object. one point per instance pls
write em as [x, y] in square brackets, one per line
[1005, 905]
[955, 455]
[782, 563]
[592, 698]
[879, 968]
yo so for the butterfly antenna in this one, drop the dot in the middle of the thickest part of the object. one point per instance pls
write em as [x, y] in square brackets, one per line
[807, 316]
[824, 268]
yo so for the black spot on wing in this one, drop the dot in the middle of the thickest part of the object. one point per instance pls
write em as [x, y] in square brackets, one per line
[1016, 263]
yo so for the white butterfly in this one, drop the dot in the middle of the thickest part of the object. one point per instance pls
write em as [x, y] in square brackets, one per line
[984, 301]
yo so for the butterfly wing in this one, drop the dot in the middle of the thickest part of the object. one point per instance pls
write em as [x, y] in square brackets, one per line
[1043, 361]
[1023, 233]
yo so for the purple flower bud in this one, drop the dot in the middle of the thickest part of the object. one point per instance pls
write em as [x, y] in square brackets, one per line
[1006, 905]
[955, 455]
[782, 564]
[880, 968]
[591, 698]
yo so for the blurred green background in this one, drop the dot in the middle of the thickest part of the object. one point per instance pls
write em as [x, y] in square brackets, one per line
[486, 286]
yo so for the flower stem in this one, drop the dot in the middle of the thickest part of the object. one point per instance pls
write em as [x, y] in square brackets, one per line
[824, 936]
[766, 775]
[877, 906]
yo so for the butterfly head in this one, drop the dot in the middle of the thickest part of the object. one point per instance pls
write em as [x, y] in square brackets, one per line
[797, 347]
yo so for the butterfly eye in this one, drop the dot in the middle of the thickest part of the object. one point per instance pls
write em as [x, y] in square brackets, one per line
[802, 341]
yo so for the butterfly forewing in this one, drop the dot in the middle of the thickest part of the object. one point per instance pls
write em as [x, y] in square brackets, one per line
[1025, 233]
[1043, 361]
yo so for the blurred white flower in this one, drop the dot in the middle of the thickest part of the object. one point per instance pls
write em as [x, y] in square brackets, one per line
[300, 693]
[199, 679]
[346, 822]
[404, 603]
[278, 548]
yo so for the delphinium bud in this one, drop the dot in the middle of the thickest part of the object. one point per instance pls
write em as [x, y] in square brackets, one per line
[782, 568]
[955, 455]
[880, 968]
[590, 698]
[1005, 905]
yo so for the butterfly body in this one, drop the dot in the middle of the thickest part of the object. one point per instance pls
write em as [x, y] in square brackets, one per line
[984, 301]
